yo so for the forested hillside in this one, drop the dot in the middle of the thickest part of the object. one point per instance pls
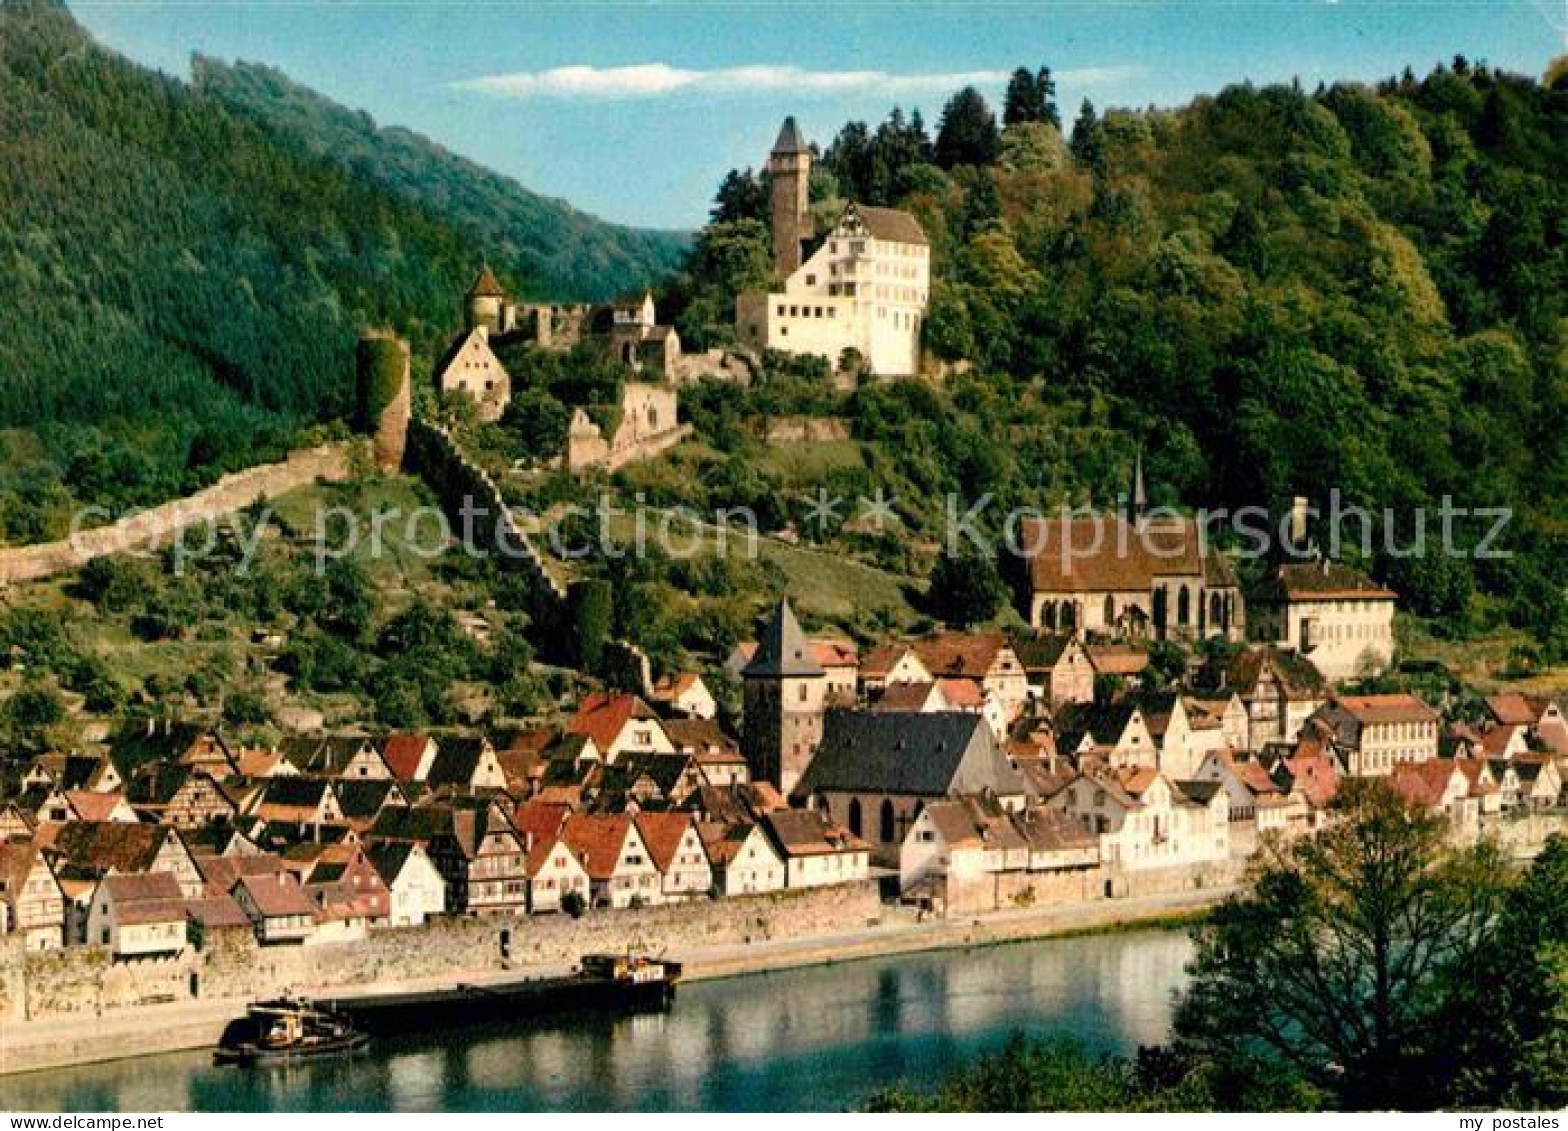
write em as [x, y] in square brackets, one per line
[181, 282]
[574, 255]
[1269, 291]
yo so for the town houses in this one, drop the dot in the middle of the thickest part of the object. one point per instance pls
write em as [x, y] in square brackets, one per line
[958, 771]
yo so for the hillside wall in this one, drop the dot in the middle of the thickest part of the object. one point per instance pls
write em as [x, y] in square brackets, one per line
[157, 525]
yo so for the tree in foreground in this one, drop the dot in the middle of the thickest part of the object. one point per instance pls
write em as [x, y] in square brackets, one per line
[1337, 964]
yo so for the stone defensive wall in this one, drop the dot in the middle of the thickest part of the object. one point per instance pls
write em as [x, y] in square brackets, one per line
[157, 525]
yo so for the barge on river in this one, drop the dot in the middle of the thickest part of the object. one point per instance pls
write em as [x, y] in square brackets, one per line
[604, 983]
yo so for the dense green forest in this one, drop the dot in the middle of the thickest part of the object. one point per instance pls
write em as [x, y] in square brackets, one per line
[183, 274]
[1269, 291]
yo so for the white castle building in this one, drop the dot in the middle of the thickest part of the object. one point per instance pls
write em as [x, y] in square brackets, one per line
[865, 287]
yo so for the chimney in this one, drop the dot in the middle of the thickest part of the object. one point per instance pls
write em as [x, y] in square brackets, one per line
[1298, 521]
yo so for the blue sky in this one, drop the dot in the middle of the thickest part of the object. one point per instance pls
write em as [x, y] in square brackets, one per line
[634, 110]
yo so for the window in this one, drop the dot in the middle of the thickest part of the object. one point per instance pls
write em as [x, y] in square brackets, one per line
[854, 816]
[885, 820]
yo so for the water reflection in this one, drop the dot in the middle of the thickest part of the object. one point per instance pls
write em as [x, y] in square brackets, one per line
[820, 1038]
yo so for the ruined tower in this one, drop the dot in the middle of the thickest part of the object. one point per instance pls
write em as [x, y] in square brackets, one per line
[485, 304]
[789, 172]
[785, 701]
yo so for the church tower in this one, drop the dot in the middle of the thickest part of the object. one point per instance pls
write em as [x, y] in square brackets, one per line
[789, 173]
[785, 700]
[485, 303]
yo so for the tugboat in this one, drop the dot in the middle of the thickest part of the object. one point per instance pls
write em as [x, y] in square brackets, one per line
[284, 1031]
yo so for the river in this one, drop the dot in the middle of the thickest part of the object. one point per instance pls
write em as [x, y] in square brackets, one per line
[818, 1038]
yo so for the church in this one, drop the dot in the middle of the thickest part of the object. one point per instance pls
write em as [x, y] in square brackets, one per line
[864, 287]
[1132, 576]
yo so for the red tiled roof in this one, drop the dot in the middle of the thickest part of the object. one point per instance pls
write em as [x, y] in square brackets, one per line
[597, 840]
[604, 714]
[1396, 708]
[662, 833]
[967, 655]
[1316, 776]
[91, 806]
[1422, 783]
[403, 752]
[962, 694]
[276, 896]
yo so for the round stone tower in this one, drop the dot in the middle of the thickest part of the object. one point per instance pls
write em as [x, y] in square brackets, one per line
[485, 304]
[383, 363]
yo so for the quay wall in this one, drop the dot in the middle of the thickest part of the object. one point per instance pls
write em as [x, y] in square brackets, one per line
[85, 982]
[157, 525]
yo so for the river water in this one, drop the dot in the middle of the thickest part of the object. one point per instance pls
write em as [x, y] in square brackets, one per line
[820, 1038]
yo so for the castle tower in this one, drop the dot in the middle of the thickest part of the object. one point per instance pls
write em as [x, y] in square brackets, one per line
[485, 304]
[789, 172]
[785, 700]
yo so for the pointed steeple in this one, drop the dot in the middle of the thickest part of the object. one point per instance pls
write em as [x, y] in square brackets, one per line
[783, 651]
[789, 140]
[1138, 501]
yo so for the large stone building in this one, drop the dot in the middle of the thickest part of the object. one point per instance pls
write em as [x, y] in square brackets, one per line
[864, 288]
[1134, 576]
[1335, 616]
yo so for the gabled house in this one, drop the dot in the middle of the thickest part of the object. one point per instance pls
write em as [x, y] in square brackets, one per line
[1336, 616]
[1145, 821]
[361, 800]
[297, 801]
[717, 756]
[347, 757]
[1544, 718]
[350, 896]
[482, 857]
[1279, 690]
[91, 850]
[1251, 792]
[416, 889]
[677, 851]
[888, 664]
[1540, 781]
[620, 868]
[138, 916]
[1057, 666]
[1437, 786]
[554, 868]
[193, 745]
[620, 723]
[279, 910]
[743, 859]
[685, 693]
[817, 852]
[466, 763]
[180, 795]
[983, 657]
[408, 756]
[1116, 733]
[875, 770]
[34, 901]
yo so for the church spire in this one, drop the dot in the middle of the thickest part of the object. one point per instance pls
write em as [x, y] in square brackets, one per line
[1138, 497]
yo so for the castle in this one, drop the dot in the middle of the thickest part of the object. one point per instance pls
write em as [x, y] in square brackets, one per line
[627, 330]
[865, 287]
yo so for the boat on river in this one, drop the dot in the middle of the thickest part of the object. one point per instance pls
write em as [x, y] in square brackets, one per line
[602, 983]
[284, 1031]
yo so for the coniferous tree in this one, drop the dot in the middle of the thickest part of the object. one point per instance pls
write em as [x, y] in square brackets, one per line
[968, 133]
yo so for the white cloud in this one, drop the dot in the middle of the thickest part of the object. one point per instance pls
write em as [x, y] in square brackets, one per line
[657, 80]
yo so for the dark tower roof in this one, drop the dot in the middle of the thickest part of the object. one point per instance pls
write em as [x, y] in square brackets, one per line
[783, 649]
[1139, 502]
[789, 138]
[486, 286]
